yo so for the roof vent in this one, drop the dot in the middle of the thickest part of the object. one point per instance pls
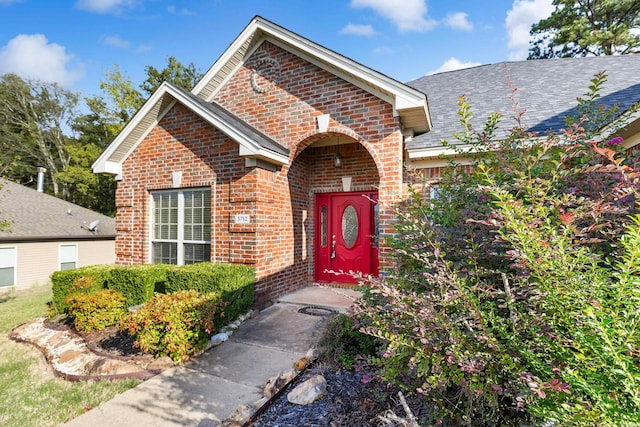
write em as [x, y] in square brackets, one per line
[41, 172]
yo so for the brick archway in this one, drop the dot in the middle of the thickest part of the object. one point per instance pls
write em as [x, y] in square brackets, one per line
[312, 172]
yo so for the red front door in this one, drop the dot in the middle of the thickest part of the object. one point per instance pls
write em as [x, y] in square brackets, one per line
[345, 236]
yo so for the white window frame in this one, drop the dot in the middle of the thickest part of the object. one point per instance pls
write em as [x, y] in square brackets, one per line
[180, 241]
[14, 266]
[60, 255]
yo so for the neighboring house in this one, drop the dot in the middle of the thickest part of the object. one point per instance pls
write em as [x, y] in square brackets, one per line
[290, 157]
[47, 234]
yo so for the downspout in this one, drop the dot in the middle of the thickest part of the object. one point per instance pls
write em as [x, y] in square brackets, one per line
[213, 228]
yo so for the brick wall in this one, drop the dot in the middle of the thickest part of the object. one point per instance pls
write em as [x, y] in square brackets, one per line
[279, 239]
[207, 158]
[371, 144]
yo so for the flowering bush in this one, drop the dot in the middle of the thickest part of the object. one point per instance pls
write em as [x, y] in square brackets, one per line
[176, 325]
[515, 299]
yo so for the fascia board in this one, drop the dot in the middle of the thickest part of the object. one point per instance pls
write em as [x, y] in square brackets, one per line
[263, 154]
[226, 56]
[129, 127]
[113, 168]
[105, 164]
[247, 146]
[340, 62]
[321, 57]
[437, 162]
[426, 153]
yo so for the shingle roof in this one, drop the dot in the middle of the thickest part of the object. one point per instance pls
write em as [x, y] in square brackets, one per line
[38, 216]
[253, 144]
[546, 88]
[263, 140]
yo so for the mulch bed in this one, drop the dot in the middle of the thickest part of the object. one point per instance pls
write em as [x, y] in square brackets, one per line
[352, 400]
[107, 342]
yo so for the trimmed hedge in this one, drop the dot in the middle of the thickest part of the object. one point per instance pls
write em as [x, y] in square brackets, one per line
[235, 282]
[84, 279]
[137, 282]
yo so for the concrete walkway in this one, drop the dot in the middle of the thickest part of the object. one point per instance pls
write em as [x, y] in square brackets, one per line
[208, 389]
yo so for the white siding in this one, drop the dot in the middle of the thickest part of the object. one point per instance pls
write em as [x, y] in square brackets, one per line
[38, 260]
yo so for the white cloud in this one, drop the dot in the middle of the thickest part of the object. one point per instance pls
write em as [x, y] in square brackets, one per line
[452, 64]
[143, 48]
[458, 21]
[407, 15]
[180, 12]
[103, 6]
[116, 41]
[33, 57]
[383, 51]
[358, 30]
[522, 15]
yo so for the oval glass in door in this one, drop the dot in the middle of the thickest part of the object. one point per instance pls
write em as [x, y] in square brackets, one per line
[349, 226]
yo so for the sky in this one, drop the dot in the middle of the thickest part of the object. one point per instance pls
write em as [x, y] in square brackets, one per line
[75, 42]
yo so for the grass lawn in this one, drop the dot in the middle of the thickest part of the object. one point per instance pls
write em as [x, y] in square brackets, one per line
[30, 394]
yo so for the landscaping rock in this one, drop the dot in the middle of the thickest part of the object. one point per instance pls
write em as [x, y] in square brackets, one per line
[70, 357]
[275, 384]
[218, 339]
[160, 364]
[309, 391]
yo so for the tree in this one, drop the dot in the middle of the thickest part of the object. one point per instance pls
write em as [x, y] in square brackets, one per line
[124, 99]
[108, 114]
[95, 131]
[587, 27]
[33, 117]
[176, 73]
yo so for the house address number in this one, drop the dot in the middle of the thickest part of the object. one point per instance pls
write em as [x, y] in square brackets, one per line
[242, 219]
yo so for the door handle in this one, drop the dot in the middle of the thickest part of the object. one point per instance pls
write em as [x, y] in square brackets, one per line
[333, 246]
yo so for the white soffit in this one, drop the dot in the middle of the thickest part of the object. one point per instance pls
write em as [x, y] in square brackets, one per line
[152, 112]
[410, 104]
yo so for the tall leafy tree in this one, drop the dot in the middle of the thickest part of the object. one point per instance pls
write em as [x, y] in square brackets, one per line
[108, 114]
[33, 118]
[587, 27]
[123, 98]
[95, 131]
[185, 76]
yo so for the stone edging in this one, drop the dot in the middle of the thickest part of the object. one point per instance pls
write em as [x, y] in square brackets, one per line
[73, 360]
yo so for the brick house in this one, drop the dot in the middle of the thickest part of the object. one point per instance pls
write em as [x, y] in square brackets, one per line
[290, 157]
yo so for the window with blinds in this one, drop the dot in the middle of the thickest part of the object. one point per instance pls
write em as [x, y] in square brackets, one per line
[181, 226]
[7, 266]
[68, 257]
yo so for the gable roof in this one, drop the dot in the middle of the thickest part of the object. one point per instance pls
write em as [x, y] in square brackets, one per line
[34, 216]
[408, 103]
[546, 88]
[252, 143]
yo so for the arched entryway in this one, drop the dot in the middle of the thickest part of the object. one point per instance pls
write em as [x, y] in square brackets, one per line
[334, 208]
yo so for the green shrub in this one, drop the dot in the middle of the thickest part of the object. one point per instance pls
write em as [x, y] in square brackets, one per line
[96, 310]
[137, 282]
[234, 282]
[343, 342]
[515, 299]
[65, 283]
[175, 325]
